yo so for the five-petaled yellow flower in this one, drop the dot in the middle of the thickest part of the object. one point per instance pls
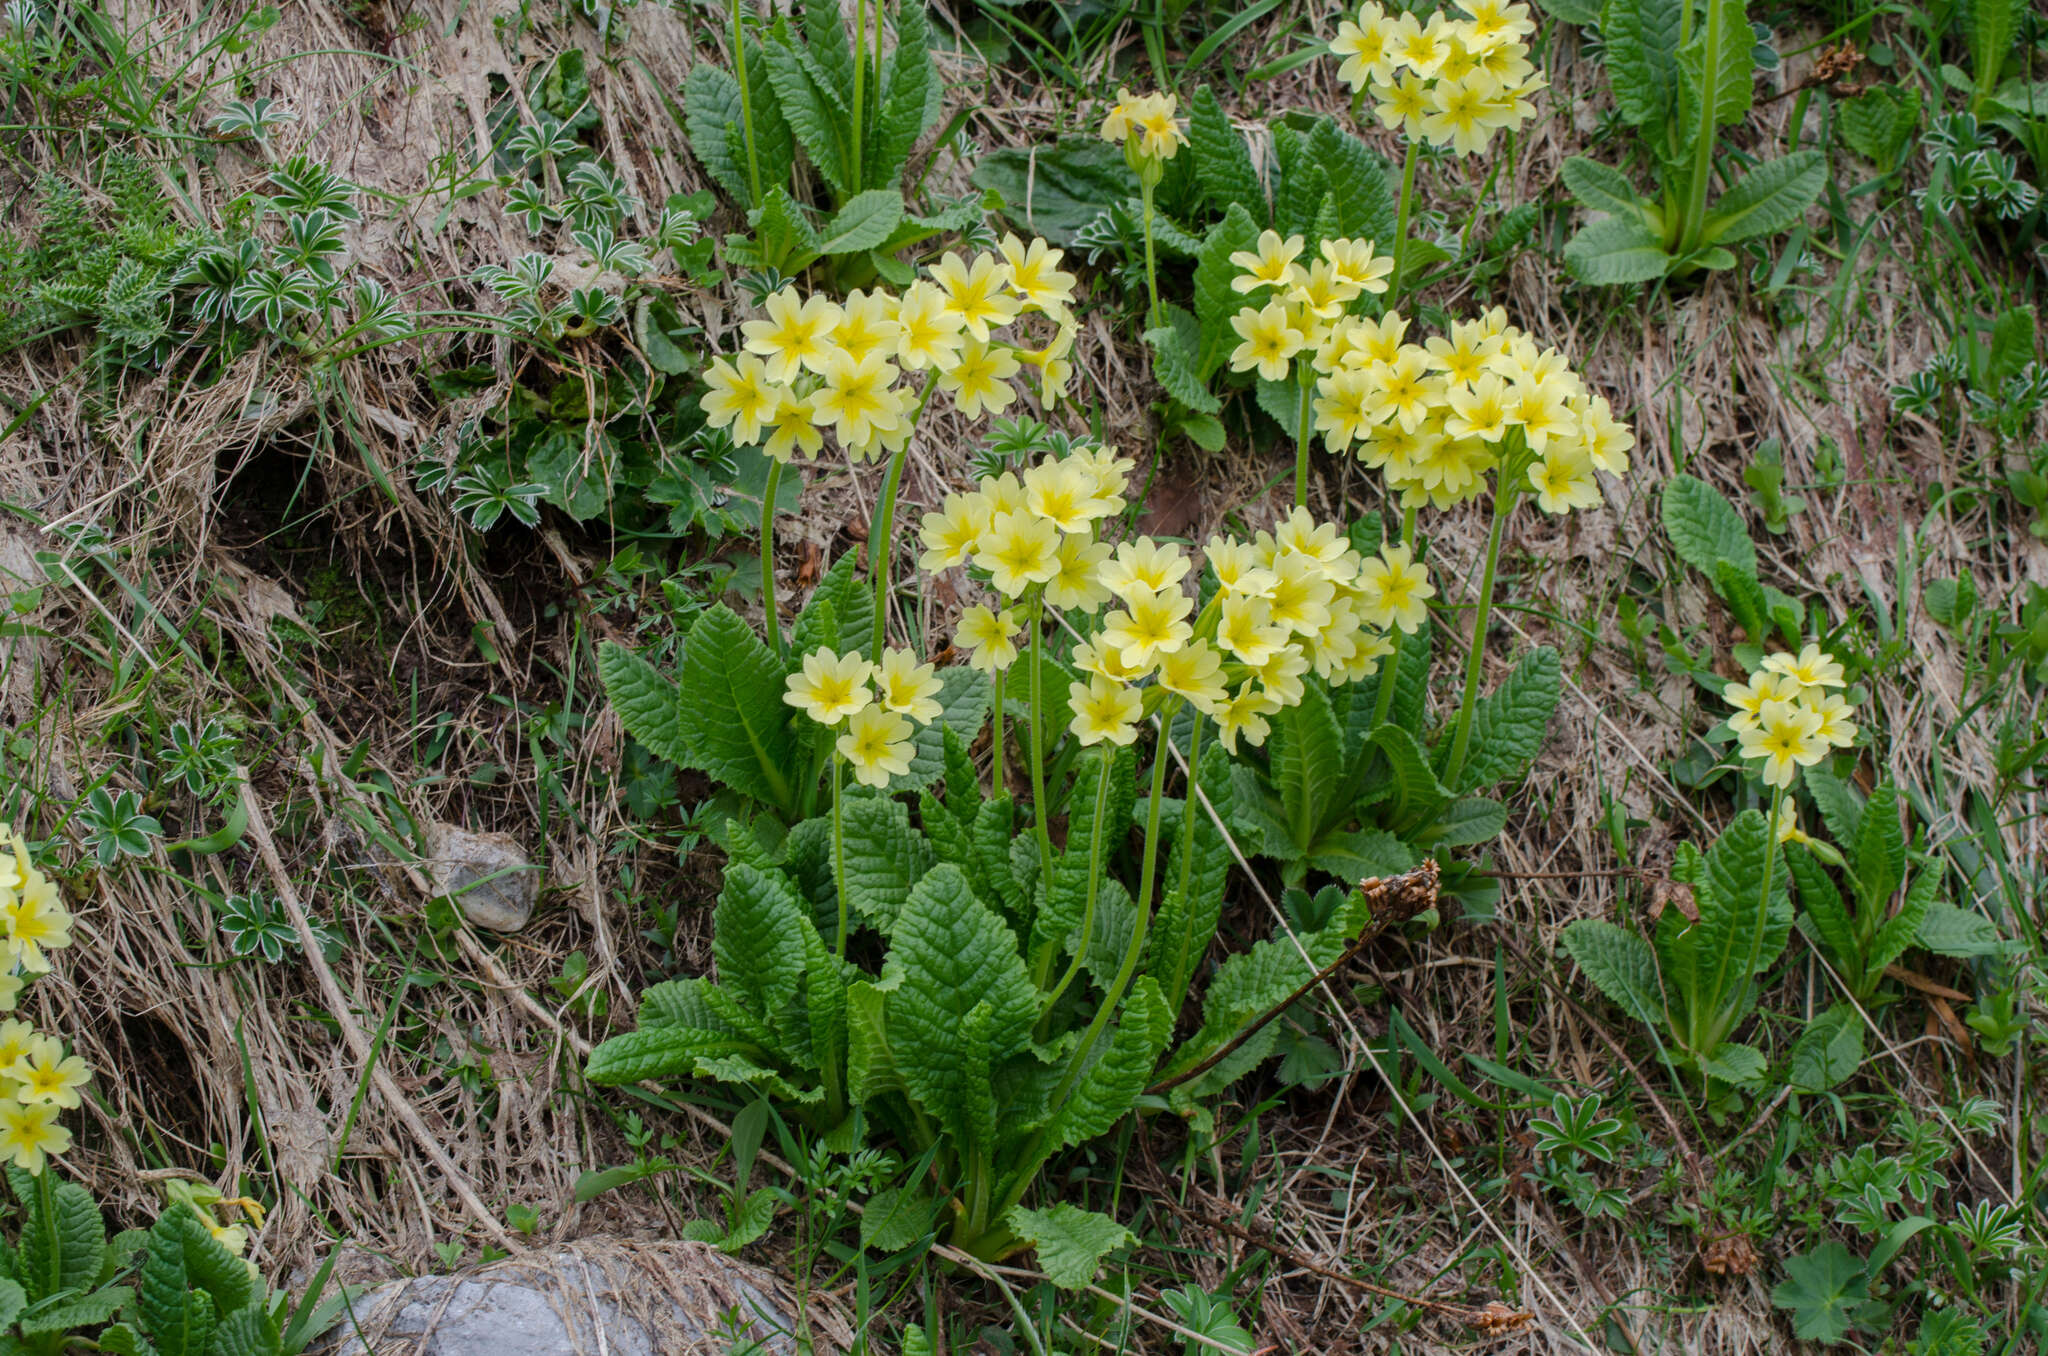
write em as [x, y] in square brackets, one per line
[830, 686]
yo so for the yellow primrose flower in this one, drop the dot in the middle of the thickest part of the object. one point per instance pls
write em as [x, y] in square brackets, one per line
[1346, 406]
[1300, 598]
[1404, 390]
[796, 336]
[829, 687]
[867, 324]
[1112, 474]
[1036, 276]
[1270, 340]
[1271, 264]
[1418, 46]
[30, 1133]
[1788, 824]
[10, 990]
[1364, 47]
[877, 746]
[1563, 480]
[928, 330]
[907, 687]
[1835, 725]
[12, 863]
[1786, 737]
[858, 398]
[1813, 667]
[742, 395]
[1281, 675]
[1607, 440]
[1321, 292]
[1478, 410]
[1019, 550]
[977, 293]
[1194, 671]
[952, 532]
[47, 1075]
[1461, 114]
[1090, 657]
[1237, 569]
[1055, 364]
[1394, 590]
[17, 1039]
[1159, 129]
[1244, 716]
[1402, 104]
[1104, 710]
[1063, 491]
[979, 379]
[1463, 357]
[1005, 493]
[1495, 21]
[789, 427]
[1144, 566]
[1148, 625]
[1078, 584]
[1301, 535]
[1355, 263]
[1116, 128]
[1245, 628]
[1378, 341]
[990, 638]
[1748, 698]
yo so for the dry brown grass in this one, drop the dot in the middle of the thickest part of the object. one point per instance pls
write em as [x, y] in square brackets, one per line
[192, 1048]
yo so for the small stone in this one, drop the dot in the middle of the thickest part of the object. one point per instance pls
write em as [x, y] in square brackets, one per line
[486, 874]
[594, 1295]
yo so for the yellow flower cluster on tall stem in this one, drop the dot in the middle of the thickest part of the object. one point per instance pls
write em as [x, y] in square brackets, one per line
[1447, 81]
[811, 365]
[37, 1079]
[1148, 127]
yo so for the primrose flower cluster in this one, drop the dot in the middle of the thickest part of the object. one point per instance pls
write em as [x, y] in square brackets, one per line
[1433, 417]
[1789, 715]
[37, 1079]
[1449, 82]
[1288, 601]
[1148, 127]
[880, 706]
[811, 364]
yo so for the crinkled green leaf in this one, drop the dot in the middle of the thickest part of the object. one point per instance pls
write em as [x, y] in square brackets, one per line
[866, 221]
[1601, 188]
[1827, 914]
[1186, 922]
[965, 696]
[1642, 60]
[1732, 1063]
[1769, 198]
[1071, 1242]
[658, 1054]
[1215, 301]
[1616, 250]
[63, 1240]
[884, 857]
[1359, 186]
[1880, 847]
[904, 104]
[1509, 723]
[820, 127]
[757, 946]
[1704, 527]
[735, 723]
[1717, 74]
[1174, 360]
[1902, 929]
[1414, 795]
[1307, 750]
[1950, 931]
[1223, 164]
[1827, 1052]
[897, 1217]
[647, 702]
[1245, 987]
[1118, 1069]
[1620, 964]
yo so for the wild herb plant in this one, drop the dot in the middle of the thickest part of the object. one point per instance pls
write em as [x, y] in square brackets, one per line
[1681, 70]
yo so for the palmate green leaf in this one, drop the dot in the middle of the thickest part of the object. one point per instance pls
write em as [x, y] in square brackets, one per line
[1602, 188]
[735, 724]
[883, 857]
[1616, 250]
[1828, 1052]
[1358, 183]
[1620, 964]
[647, 702]
[758, 948]
[1508, 724]
[905, 104]
[1769, 198]
[1704, 527]
[1716, 73]
[1824, 1289]
[1642, 61]
[1308, 766]
[1175, 359]
[1118, 1070]
[1827, 913]
[1215, 301]
[1223, 163]
[949, 954]
[1071, 1242]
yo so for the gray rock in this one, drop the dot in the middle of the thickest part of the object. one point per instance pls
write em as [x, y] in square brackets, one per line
[487, 874]
[614, 1297]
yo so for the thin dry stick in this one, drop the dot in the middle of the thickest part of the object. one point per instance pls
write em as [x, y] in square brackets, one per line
[352, 1031]
[1398, 899]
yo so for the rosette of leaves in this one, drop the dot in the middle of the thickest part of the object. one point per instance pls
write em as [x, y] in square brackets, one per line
[1681, 70]
[990, 1009]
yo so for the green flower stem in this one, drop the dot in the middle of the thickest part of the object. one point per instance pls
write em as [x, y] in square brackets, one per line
[1187, 812]
[774, 620]
[1401, 227]
[1108, 761]
[739, 60]
[884, 526]
[1038, 805]
[1145, 187]
[1504, 492]
[838, 854]
[1390, 675]
[1305, 378]
[860, 66]
[996, 741]
[1034, 1152]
